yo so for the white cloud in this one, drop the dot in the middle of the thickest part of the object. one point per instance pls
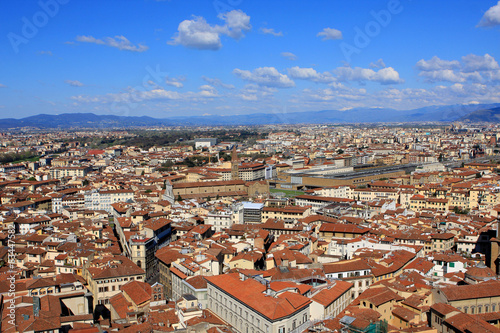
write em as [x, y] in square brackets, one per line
[378, 64]
[472, 68]
[119, 42]
[208, 91]
[2, 86]
[49, 53]
[474, 63]
[310, 74]
[265, 76]
[436, 64]
[491, 17]
[442, 75]
[217, 82]
[268, 31]
[253, 92]
[157, 93]
[132, 96]
[198, 34]
[289, 55]
[74, 83]
[330, 34]
[338, 96]
[387, 75]
[174, 82]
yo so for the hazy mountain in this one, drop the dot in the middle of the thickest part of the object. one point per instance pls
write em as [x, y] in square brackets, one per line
[488, 115]
[471, 112]
[69, 120]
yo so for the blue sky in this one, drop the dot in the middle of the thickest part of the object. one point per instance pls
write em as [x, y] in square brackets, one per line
[176, 58]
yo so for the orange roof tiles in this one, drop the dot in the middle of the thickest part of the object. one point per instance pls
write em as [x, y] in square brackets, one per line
[251, 293]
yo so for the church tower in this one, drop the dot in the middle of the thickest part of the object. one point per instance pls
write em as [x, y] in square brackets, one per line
[234, 165]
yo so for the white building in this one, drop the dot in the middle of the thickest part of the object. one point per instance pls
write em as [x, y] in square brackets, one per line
[219, 220]
[102, 200]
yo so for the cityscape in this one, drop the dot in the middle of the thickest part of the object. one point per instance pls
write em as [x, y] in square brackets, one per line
[237, 166]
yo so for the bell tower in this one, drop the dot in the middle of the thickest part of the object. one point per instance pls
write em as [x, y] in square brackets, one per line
[234, 164]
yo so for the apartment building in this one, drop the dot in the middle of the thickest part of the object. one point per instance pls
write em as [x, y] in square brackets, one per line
[102, 200]
[355, 271]
[106, 274]
[285, 213]
[331, 299]
[69, 171]
[471, 299]
[249, 306]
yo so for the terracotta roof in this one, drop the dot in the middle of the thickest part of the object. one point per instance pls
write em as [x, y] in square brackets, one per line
[251, 293]
[482, 290]
[330, 294]
[139, 292]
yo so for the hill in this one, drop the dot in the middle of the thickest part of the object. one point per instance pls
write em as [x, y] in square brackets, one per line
[448, 113]
[489, 115]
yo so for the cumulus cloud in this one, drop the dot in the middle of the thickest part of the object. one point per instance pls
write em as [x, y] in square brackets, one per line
[437, 64]
[265, 76]
[387, 75]
[491, 18]
[330, 34]
[119, 42]
[207, 90]
[471, 68]
[74, 83]
[254, 92]
[271, 32]
[2, 86]
[474, 63]
[198, 34]
[130, 97]
[378, 64]
[339, 96]
[174, 82]
[289, 55]
[310, 74]
[217, 82]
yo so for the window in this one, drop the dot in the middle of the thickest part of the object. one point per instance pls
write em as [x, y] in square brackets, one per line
[281, 329]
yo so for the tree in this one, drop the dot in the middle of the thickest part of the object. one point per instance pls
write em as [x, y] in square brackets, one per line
[459, 210]
[340, 151]
[179, 198]
[32, 179]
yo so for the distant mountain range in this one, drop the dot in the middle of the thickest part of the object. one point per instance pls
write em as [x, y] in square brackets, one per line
[486, 115]
[450, 113]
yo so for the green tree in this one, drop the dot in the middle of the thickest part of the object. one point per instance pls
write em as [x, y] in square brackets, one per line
[179, 198]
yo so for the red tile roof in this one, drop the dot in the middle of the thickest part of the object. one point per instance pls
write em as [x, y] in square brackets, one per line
[251, 293]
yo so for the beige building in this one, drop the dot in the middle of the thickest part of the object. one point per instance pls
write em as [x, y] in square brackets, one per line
[106, 274]
[331, 300]
[285, 213]
[471, 299]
